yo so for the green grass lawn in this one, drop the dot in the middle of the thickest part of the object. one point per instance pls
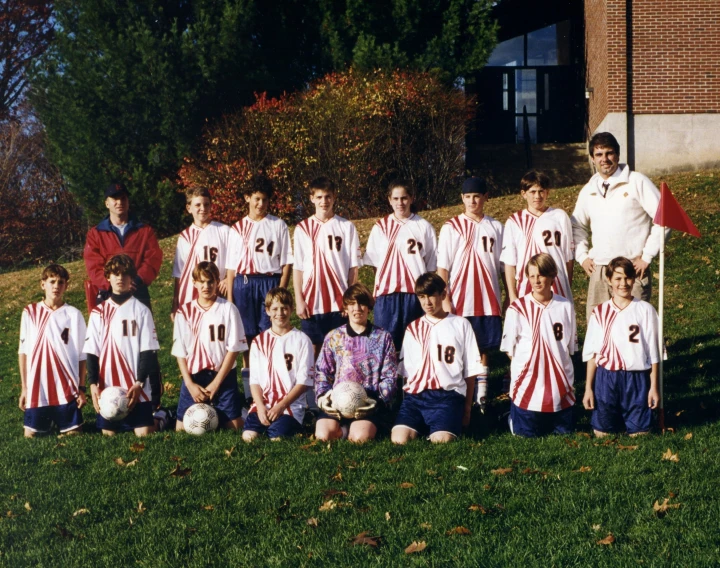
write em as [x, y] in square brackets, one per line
[488, 499]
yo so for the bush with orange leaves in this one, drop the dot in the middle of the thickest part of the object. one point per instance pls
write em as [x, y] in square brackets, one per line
[361, 130]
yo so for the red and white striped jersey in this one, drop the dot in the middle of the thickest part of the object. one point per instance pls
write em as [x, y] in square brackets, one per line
[117, 334]
[623, 339]
[280, 362]
[52, 340]
[439, 355]
[325, 253]
[470, 252]
[259, 247]
[540, 339]
[194, 246]
[401, 250]
[527, 235]
[204, 336]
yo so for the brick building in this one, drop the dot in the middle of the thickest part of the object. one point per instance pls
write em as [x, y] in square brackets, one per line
[646, 70]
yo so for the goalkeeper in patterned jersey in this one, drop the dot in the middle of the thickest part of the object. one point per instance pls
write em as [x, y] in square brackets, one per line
[358, 352]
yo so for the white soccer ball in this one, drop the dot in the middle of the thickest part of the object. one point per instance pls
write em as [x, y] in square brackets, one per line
[200, 418]
[347, 398]
[114, 403]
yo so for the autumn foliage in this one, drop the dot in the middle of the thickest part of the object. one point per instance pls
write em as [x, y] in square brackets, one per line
[362, 130]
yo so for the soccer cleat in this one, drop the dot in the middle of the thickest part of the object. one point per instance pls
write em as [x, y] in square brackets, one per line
[481, 393]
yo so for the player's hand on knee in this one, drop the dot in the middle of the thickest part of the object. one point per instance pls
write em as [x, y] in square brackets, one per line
[211, 390]
[588, 266]
[134, 395]
[367, 409]
[653, 398]
[95, 394]
[325, 404]
[197, 393]
[589, 400]
[263, 415]
[276, 411]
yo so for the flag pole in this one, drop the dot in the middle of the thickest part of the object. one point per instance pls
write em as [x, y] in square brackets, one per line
[661, 336]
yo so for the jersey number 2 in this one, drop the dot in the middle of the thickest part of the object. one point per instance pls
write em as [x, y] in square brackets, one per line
[260, 243]
[548, 238]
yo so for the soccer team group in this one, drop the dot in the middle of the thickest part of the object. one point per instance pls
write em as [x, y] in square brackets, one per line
[437, 314]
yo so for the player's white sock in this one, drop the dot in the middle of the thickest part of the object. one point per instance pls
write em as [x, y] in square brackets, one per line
[481, 388]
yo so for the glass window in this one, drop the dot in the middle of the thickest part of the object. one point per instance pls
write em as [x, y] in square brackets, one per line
[525, 90]
[532, 127]
[549, 45]
[510, 53]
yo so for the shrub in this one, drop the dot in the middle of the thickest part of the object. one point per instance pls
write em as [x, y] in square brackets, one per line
[362, 130]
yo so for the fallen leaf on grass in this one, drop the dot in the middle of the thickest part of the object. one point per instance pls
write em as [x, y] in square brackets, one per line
[431, 472]
[81, 512]
[661, 510]
[688, 436]
[58, 460]
[209, 507]
[332, 492]
[406, 485]
[672, 495]
[669, 456]
[596, 527]
[669, 430]
[478, 508]
[312, 521]
[261, 458]
[123, 463]
[180, 471]
[529, 471]
[487, 487]
[137, 447]
[337, 477]
[679, 413]
[27, 506]
[629, 448]
[426, 526]
[10, 515]
[176, 459]
[584, 469]
[416, 546]
[328, 505]
[607, 442]
[169, 387]
[584, 435]
[141, 508]
[365, 538]
[572, 443]
[310, 445]
[458, 530]
[501, 471]
[229, 452]
[396, 460]
[461, 467]
[387, 515]
[370, 488]
[609, 539]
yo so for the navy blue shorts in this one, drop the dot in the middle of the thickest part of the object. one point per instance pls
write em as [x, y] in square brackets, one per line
[318, 326]
[531, 424]
[621, 401]
[432, 411]
[249, 297]
[284, 427]
[394, 312]
[488, 331]
[65, 416]
[227, 401]
[140, 417]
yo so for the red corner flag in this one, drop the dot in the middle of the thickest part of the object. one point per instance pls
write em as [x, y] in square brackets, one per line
[671, 215]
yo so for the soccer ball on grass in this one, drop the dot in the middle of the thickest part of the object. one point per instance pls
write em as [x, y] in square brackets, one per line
[200, 418]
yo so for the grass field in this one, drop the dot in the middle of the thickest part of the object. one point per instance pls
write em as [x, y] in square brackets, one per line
[487, 500]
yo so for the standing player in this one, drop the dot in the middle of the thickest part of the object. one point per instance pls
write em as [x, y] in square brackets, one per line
[539, 228]
[281, 372]
[207, 338]
[539, 337]
[204, 240]
[440, 359]
[469, 260]
[51, 336]
[121, 346]
[357, 352]
[402, 246]
[622, 354]
[327, 256]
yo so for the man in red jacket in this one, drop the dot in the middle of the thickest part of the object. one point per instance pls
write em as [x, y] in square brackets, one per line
[120, 233]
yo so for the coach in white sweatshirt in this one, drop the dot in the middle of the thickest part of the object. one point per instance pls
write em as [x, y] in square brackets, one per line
[617, 206]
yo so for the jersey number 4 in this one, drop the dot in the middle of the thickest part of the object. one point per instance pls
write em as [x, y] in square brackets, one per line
[260, 244]
[414, 246]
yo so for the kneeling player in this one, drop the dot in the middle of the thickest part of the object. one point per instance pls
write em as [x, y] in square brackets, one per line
[281, 372]
[121, 346]
[440, 359]
[51, 336]
[207, 338]
[539, 337]
[622, 354]
[356, 352]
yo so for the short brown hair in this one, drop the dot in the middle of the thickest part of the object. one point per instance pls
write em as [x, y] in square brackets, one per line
[259, 184]
[358, 293]
[278, 294]
[120, 265]
[322, 183]
[603, 140]
[197, 191]
[407, 186]
[533, 178]
[55, 270]
[624, 264]
[429, 284]
[208, 270]
[544, 263]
